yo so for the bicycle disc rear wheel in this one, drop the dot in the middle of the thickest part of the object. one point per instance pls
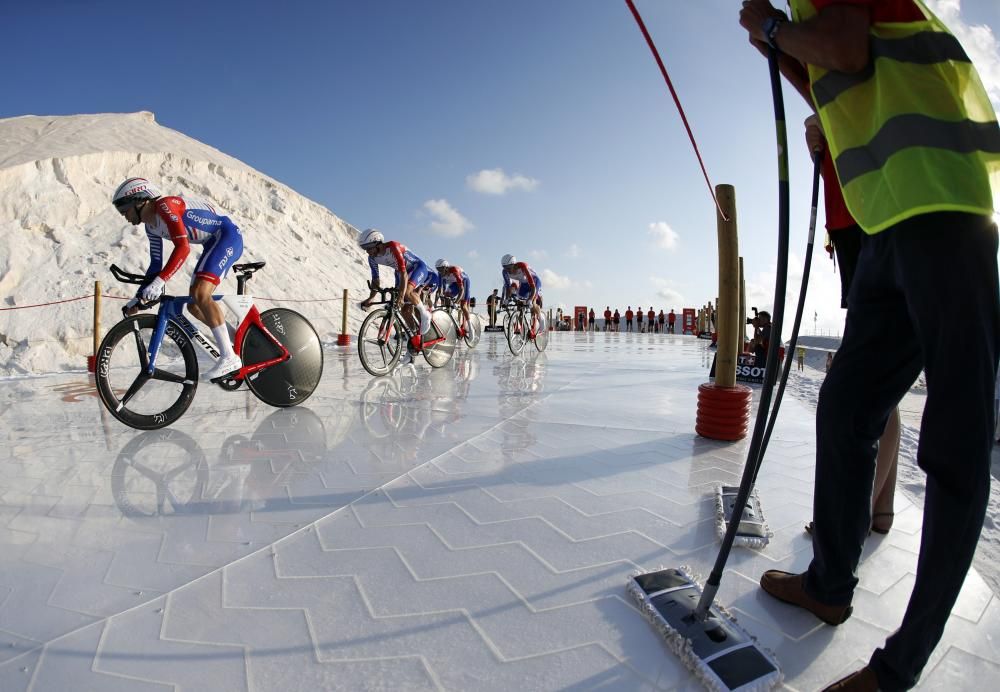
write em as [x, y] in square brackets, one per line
[516, 333]
[542, 336]
[137, 400]
[474, 331]
[380, 343]
[293, 381]
[440, 353]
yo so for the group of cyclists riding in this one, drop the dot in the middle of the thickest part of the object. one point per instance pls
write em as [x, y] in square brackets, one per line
[187, 220]
[416, 283]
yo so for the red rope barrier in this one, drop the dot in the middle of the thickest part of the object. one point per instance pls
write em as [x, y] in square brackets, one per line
[680, 109]
[105, 295]
[41, 305]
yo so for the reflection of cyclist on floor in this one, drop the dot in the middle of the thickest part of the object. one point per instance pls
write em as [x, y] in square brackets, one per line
[529, 288]
[165, 472]
[185, 220]
[411, 273]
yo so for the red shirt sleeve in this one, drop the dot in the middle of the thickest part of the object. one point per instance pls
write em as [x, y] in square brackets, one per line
[397, 251]
[880, 10]
[527, 274]
[171, 211]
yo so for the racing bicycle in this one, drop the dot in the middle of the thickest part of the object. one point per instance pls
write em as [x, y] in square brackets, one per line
[384, 334]
[517, 327]
[152, 358]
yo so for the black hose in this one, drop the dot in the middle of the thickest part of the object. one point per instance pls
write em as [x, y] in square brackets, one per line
[771, 369]
[793, 339]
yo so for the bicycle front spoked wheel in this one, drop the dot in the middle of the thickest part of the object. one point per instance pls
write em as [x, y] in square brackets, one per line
[130, 393]
[445, 335]
[380, 342]
[293, 381]
[516, 333]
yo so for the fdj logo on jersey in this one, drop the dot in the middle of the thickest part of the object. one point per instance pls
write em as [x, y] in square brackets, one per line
[225, 260]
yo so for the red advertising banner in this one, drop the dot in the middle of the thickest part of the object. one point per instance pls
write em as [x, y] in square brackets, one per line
[688, 321]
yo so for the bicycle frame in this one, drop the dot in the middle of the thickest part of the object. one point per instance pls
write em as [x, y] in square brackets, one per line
[389, 298]
[171, 313]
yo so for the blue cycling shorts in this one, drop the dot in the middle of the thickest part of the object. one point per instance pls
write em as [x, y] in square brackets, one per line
[219, 254]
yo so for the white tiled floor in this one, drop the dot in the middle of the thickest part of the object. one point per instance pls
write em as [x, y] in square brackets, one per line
[464, 528]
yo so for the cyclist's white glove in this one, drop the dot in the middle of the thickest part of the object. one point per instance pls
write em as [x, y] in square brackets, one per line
[153, 290]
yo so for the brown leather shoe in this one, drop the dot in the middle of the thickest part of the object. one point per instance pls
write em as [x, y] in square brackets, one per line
[863, 680]
[789, 588]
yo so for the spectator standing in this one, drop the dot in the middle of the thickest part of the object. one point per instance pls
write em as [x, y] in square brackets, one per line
[638, 320]
[591, 319]
[628, 319]
[617, 320]
[607, 318]
[651, 319]
[661, 318]
[671, 319]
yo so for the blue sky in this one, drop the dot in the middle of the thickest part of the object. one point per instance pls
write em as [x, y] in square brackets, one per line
[388, 112]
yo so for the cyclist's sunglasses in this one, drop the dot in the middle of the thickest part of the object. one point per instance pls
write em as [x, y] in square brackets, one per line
[124, 205]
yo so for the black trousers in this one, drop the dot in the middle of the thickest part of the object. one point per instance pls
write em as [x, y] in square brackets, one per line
[925, 296]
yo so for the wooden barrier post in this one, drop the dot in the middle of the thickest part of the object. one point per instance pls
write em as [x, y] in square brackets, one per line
[344, 339]
[741, 333]
[728, 303]
[92, 360]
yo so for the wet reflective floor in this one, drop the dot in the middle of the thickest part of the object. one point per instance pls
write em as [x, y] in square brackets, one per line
[470, 527]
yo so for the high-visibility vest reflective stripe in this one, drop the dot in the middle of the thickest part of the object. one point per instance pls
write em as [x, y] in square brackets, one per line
[912, 133]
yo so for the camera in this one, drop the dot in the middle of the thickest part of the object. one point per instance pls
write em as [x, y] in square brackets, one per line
[752, 320]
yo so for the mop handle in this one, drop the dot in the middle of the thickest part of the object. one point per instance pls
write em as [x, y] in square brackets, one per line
[770, 371]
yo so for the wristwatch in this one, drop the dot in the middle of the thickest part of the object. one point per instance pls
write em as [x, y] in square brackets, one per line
[770, 28]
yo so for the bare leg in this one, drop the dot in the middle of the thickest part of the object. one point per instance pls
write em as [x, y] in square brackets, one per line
[203, 307]
[885, 474]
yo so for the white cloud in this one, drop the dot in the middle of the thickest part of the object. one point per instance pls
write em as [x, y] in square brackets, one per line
[979, 42]
[557, 281]
[447, 221]
[663, 235]
[538, 254]
[573, 251]
[473, 254]
[668, 292]
[495, 182]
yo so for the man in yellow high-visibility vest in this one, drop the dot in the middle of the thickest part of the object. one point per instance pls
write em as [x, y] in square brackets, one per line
[916, 146]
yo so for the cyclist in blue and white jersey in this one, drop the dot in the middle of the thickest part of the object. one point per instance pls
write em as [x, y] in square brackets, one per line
[455, 285]
[411, 273]
[519, 276]
[430, 288]
[185, 221]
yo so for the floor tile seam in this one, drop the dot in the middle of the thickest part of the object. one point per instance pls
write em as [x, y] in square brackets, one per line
[473, 621]
[958, 647]
[562, 501]
[552, 569]
[560, 532]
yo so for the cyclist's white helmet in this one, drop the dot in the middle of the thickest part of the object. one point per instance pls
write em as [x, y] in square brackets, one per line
[508, 260]
[442, 264]
[133, 191]
[370, 237]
